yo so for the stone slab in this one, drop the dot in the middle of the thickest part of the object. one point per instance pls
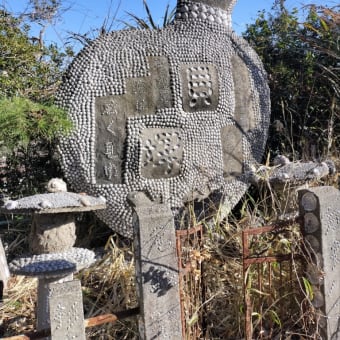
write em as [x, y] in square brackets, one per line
[53, 203]
[53, 265]
[66, 311]
[320, 210]
[157, 270]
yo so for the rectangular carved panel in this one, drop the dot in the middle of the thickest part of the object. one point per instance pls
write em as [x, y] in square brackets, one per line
[231, 137]
[143, 96]
[199, 87]
[244, 114]
[161, 153]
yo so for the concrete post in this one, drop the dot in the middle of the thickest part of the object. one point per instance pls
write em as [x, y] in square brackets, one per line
[320, 210]
[157, 269]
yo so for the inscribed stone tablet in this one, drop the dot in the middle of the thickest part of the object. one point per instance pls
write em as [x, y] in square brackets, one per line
[66, 310]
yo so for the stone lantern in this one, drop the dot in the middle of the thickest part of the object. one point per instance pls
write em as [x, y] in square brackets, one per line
[54, 258]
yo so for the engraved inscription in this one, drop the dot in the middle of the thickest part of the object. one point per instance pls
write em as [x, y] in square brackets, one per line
[66, 311]
[161, 153]
[335, 251]
[159, 275]
[144, 95]
[200, 87]
[110, 134]
[110, 171]
[109, 150]
[62, 313]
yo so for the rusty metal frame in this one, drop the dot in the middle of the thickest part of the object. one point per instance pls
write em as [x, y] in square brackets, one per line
[249, 260]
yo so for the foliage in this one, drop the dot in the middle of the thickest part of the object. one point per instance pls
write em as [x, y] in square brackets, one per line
[27, 68]
[27, 137]
[22, 121]
[29, 122]
[149, 22]
[302, 61]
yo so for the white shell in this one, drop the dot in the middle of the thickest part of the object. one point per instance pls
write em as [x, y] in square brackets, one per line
[56, 185]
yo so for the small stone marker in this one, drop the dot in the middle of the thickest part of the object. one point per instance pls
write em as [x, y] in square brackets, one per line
[320, 210]
[66, 310]
[157, 269]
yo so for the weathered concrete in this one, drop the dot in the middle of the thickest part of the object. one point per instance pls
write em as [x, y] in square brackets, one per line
[157, 269]
[52, 233]
[66, 311]
[320, 210]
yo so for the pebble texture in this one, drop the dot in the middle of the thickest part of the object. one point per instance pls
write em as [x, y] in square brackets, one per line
[294, 173]
[52, 265]
[178, 113]
[52, 202]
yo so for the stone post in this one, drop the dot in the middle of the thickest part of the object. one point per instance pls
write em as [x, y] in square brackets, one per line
[157, 269]
[320, 210]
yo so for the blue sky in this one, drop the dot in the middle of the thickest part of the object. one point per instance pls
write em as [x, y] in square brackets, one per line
[82, 16]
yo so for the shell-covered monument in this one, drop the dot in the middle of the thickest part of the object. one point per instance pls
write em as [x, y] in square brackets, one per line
[178, 113]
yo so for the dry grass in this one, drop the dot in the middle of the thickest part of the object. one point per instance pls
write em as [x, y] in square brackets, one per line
[213, 291]
[109, 287]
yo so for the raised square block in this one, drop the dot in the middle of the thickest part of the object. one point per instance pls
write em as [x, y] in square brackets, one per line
[161, 153]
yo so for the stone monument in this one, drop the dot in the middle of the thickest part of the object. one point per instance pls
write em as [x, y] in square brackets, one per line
[162, 117]
[179, 112]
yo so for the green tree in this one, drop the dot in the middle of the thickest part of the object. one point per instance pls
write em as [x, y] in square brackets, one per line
[302, 61]
[29, 122]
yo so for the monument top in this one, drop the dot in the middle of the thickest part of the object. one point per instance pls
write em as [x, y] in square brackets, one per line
[217, 11]
[226, 5]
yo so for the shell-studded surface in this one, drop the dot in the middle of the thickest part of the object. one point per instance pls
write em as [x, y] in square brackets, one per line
[178, 113]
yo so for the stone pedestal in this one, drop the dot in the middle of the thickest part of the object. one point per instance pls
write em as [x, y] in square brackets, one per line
[59, 304]
[320, 211]
[43, 303]
[66, 315]
[157, 270]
